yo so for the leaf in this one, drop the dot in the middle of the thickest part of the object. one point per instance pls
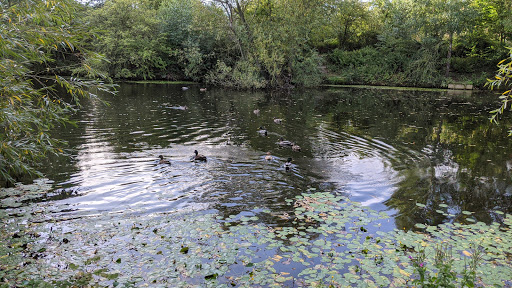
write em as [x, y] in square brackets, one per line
[403, 272]
[419, 225]
[467, 253]
[277, 258]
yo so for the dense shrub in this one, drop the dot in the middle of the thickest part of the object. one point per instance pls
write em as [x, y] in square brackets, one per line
[244, 75]
[305, 70]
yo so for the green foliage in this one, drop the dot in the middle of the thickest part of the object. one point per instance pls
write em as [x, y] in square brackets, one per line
[130, 39]
[184, 40]
[192, 61]
[305, 70]
[503, 78]
[34, 34]
[176, 21]
[367, 65]
[417, 38]
[245, 75]
[425, 69]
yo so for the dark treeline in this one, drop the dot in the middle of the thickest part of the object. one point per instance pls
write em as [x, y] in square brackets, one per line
[283, 43]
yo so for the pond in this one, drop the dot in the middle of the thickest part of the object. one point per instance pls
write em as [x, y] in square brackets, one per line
[112, 215]
[387, 149]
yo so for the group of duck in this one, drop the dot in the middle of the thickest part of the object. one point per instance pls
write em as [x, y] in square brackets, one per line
[283, 143]
[262, 131]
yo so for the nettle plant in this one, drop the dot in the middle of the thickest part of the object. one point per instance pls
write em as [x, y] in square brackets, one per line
[322, 241]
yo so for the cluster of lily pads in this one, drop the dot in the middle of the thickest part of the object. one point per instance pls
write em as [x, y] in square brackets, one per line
[324, 241]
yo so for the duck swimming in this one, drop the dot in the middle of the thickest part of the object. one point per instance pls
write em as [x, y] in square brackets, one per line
[202, 89]
[278, 121]
[163, 161]
[198, 157]
[295, 147]
[284, 143]
[288, 164]
[262, 131]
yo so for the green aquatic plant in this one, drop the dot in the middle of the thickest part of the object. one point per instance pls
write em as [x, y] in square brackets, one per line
[324, 240]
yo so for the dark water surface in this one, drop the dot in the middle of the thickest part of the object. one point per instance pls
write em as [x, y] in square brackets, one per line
[387, 149]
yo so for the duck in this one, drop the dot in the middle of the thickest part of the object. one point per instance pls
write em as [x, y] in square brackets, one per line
[262, 131]
[198, 157]
[278, 121]
[184, 88]
[284, 143]
[163, 161]
[202, 89]
[288, 164]
[295, 147]
[268, 157]
[256, 111]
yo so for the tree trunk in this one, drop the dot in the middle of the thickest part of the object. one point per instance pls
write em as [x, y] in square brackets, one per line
[449, 56]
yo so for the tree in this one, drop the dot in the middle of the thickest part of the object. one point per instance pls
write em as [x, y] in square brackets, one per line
[34, 33]
[131, 38]
[349, 14]
[272, 38]
[495, 18]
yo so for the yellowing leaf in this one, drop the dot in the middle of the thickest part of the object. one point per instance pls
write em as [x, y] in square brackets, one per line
[277, 258]
[403, 272]
[467, 253]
